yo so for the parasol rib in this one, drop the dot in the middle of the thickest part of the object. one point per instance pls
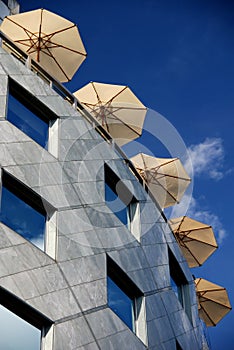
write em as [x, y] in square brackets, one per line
[207, 315]
[120, 120]
[190, 252]
[120, 92]
[57, 63]
[186, 236]
[181, 222]
[98, 97]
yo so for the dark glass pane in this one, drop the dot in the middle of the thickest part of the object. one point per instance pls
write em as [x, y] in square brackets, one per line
[27, 121]
[22, 218]
[17, 334]
[120, 303]
[116, 205]
[174, 287]
[177, 289]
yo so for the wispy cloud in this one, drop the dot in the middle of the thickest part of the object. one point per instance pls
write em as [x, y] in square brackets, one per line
[206, 158]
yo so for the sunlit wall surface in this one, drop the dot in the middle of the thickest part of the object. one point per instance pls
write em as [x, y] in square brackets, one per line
[97, 284]
[8, 7]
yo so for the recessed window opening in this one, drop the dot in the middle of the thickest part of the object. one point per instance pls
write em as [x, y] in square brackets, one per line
[121, 201]
[179, 283]
[23, 210]
[22, 327]
[126, 299]
[178, 347]
[30, 116]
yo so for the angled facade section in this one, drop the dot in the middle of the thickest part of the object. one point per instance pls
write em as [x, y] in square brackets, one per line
[92, 261]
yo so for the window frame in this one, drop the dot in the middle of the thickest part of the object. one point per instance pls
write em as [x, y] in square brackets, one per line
[128, 287]
[34, 105]
[26, 194]
[181, 282]
[29, 314]
[129, 200]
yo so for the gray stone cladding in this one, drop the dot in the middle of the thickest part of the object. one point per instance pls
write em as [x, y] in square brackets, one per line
[69, 286]
[8, 7]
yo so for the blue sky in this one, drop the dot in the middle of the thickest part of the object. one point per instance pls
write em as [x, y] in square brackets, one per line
[178, 57]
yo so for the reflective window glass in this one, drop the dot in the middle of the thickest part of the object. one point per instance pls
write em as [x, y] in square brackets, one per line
[17, 334]
[27, 120]
[121, 201]
[116, 204]
[178, 290]
[22, 217]
[121, 303]
[179, 283]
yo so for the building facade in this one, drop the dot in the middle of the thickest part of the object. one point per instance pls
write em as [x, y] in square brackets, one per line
[8, 7]
[89, 276]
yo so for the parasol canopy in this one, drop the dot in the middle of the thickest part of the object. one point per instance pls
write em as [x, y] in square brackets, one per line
[196, 240]
[116, 108]
[165, 177]
[49, 39]
[213, 301]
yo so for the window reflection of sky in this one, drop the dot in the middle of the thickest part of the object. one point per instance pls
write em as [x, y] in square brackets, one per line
[116, 205]
[17, 334]
[27, 121]
[177, 289]
[120, 303]
[174, 287]
[22, 218]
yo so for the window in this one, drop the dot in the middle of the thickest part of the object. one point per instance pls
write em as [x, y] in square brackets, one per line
[125, 299]
[23, 210]
[121, 201]
[121, 303]
[178, 347]
[22, 327]
[179, 283]
[25, 335]
[31, 116]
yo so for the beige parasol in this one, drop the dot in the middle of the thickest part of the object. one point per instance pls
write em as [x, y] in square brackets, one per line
[213, 301]
[48, 39]
[165, 177]
[196, 240]
[116, 107]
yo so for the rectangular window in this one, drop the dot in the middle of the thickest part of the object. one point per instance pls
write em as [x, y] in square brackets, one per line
[23, 210]
[31, 116]
[122, 202]
[25, 336]
[179, 283]
[22, 327]
[126, 299]
[121, 304]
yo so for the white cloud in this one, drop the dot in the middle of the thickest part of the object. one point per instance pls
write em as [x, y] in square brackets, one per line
[206, 158]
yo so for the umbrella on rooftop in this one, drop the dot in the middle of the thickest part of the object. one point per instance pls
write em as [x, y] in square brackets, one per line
[116, 108]
[49, 39]
[165, 177]
[196, 240]
[213, 301]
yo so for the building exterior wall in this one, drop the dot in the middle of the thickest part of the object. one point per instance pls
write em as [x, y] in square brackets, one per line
[68, 283]
[8, 7]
